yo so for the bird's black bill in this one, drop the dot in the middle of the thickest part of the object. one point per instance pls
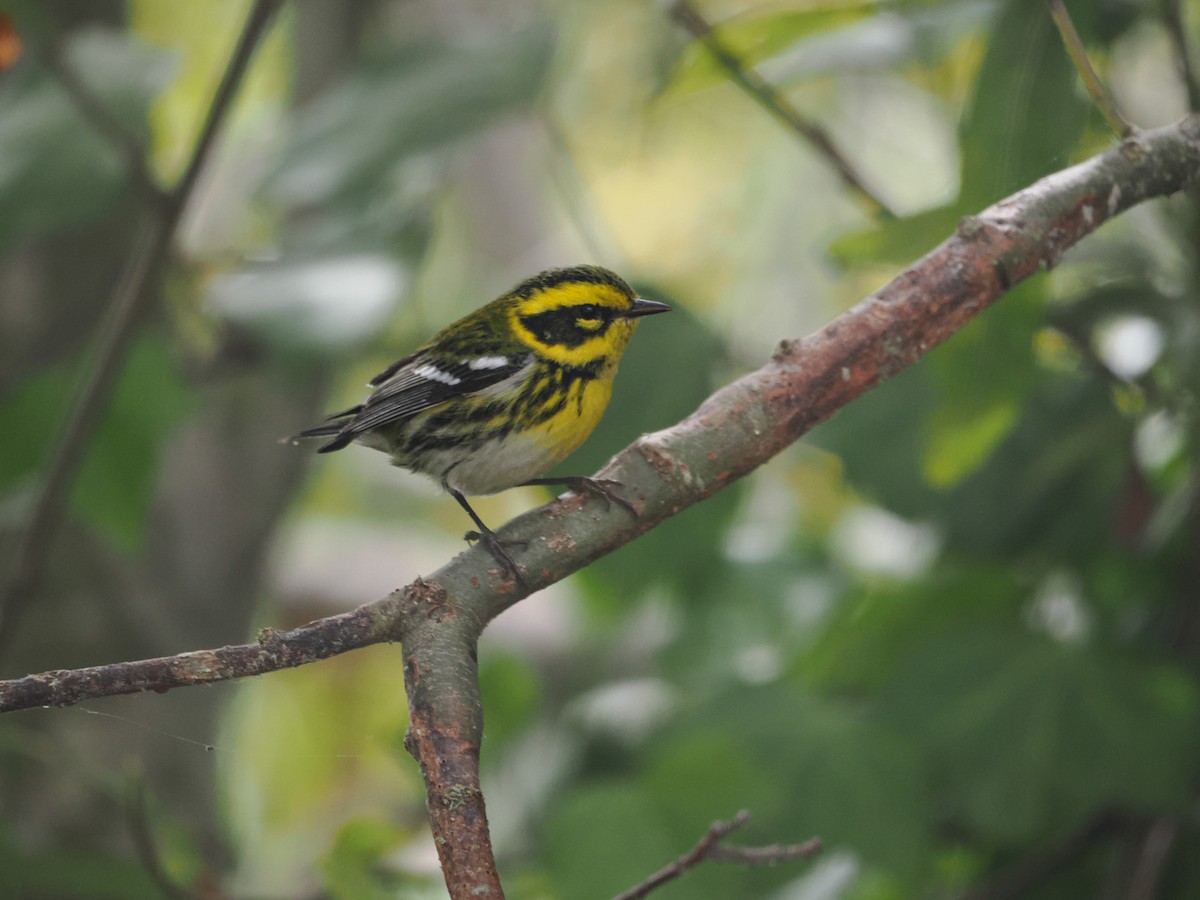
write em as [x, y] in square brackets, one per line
[643, 307]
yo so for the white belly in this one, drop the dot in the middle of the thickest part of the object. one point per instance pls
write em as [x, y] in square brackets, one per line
[496, 467]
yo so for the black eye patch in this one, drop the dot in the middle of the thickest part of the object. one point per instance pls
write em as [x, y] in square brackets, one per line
[566, 327]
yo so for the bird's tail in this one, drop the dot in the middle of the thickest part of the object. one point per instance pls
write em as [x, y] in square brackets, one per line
[334, 426]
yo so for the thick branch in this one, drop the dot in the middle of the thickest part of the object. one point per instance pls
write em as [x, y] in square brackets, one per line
[445, 730]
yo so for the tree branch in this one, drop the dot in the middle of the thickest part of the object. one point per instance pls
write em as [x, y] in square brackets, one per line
[710, 848]
[274, 650]
[126, 311]
[102, 120]
[1078, 53]
[738, 428]
[1173, 16]
[769, 98]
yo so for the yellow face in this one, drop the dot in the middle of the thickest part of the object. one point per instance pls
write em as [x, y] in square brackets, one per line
[576, 323]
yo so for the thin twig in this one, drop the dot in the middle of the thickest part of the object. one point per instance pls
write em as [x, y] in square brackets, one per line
[252, 33]
[697, 854]
[709, 848]
[1173, 16]
[765, 856]
[130, 301]
[1078, 54]
[770, 99]
[102, 120]
[138, 812]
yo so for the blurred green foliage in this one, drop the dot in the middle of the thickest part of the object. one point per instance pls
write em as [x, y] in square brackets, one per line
[954, 634]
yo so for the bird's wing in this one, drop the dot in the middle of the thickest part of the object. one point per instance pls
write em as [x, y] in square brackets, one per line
[417, 383]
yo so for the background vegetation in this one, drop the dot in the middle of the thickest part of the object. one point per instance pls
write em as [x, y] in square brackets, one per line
[955, 633]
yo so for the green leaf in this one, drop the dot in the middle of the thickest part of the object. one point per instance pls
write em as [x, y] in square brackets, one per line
[897, 241]
[1026, 114]
[898, 408]
[875, 629]
[757, 36]
[351, 870]
[71, 874]
[1027, 736]
[733, 779]
[288, 770]
[29, 417]
[859, 784]
[202, 36]
[961, 438]
[983, 375]
[626, 840]
[806, 765]
[117, 479]
[1051, 487]
[56, 168]
[412, 102]
[32, 18]
[511, 690]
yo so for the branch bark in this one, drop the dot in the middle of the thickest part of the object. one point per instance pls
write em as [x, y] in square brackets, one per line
[440, 619]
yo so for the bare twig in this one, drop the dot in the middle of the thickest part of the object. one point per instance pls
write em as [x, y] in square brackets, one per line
[697, 854]
[105, 123]
[1173, 16]
[709, 848]
[138, 812]
[765, 856]
[130, 302]
[770, 99]
[1078, 54]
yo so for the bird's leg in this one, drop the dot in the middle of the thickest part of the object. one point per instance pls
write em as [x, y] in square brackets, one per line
[581, 484]
[489, 539]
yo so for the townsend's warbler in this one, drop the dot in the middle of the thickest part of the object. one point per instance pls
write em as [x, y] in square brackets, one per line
[499, 397]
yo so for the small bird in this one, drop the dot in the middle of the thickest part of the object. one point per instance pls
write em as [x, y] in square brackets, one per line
[502, 395]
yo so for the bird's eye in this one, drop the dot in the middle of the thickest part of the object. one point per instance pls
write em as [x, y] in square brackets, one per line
[589, 318]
